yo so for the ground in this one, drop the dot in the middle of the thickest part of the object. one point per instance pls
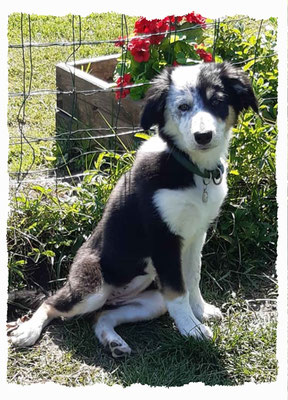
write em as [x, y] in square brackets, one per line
[242, 350]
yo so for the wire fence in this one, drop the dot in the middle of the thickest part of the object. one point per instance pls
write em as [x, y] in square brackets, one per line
[23, 138]
[60, 120]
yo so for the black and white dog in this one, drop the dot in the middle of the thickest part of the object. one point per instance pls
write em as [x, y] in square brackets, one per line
[144, 257]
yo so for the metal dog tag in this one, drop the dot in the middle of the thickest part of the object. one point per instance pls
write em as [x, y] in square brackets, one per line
[205, 195]
[205, 191]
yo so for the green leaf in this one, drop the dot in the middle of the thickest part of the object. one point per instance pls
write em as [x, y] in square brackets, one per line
[136, 93]
[50, 158]
[20, 262]
[248, 65]
[218, 59]
[226, 238]
[181, 60]
[21, 198]
[48, 253]
[39, 188]
[99, 160]
[156, 66]
[142, 136]
[184, 48]
[32, 226]
[192, 33]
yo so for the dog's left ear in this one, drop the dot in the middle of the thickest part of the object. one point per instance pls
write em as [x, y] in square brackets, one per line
[239, 88]
[153, 112]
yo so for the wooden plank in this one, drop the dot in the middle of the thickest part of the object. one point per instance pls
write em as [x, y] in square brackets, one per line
[97, 111]
[69, 78]
[100, 67]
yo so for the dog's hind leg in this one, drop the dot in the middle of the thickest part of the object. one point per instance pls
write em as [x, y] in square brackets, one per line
[27, 333]
[83, 293]
[147, 305]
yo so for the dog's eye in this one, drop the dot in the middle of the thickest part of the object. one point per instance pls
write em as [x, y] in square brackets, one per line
[215, 102]
[184, 107]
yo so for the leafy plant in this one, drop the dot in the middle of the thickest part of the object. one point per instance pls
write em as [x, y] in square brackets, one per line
[45, 224]
[246, 237]
[46, 227]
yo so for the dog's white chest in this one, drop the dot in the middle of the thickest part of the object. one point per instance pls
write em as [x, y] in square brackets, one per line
[184, 210]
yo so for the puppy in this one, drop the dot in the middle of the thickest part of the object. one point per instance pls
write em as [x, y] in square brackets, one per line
[144, 257]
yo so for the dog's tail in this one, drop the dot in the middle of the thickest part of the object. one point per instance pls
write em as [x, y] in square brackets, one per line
[22, 301]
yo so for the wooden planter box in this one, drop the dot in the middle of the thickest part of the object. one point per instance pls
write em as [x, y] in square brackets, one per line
[89, 108]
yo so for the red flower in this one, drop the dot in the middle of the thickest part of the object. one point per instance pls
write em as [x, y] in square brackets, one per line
[207, 57]
[139, 49]
[171, 19]
[175, 63]
[196, 19]
[156, 26]
[126, 78]
[146, 27]
[121, 41]
[166, 24]
[141, 26]
[179, 19]
[121, 82]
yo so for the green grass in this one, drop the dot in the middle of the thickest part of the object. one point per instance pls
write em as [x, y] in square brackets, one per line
[48, 223]
[69, 354]
[40, 110]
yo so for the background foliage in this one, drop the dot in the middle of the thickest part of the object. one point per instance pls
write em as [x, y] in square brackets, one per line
[46, 226]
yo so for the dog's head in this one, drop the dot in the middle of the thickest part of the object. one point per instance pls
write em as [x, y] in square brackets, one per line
[195, 107]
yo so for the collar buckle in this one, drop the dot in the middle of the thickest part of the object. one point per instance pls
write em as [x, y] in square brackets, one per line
[218, 176]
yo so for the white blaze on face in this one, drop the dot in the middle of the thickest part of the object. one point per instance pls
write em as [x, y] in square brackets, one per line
[202, 122]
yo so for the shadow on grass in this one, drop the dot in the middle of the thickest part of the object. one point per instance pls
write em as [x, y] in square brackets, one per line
[160, 357]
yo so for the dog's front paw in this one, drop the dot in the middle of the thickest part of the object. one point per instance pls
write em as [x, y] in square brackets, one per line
[205, 312]
[198, 331]
[185, 319]
[211, 312]
[201, 332]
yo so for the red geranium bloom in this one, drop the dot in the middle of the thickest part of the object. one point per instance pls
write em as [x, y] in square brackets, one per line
[179, 19]
[171, 19]
[139, 49]
[121, 82]
[146, 27]
[125, 79]
[165, 25]
[142, 25]
[196, 19]
[207, 57]
[121, 41]
[154, 27]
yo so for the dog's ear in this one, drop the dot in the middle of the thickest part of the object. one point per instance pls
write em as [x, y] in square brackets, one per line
[239, 88]
[155, 100]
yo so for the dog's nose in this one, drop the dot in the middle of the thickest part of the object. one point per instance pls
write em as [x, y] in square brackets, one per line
[203, 138]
